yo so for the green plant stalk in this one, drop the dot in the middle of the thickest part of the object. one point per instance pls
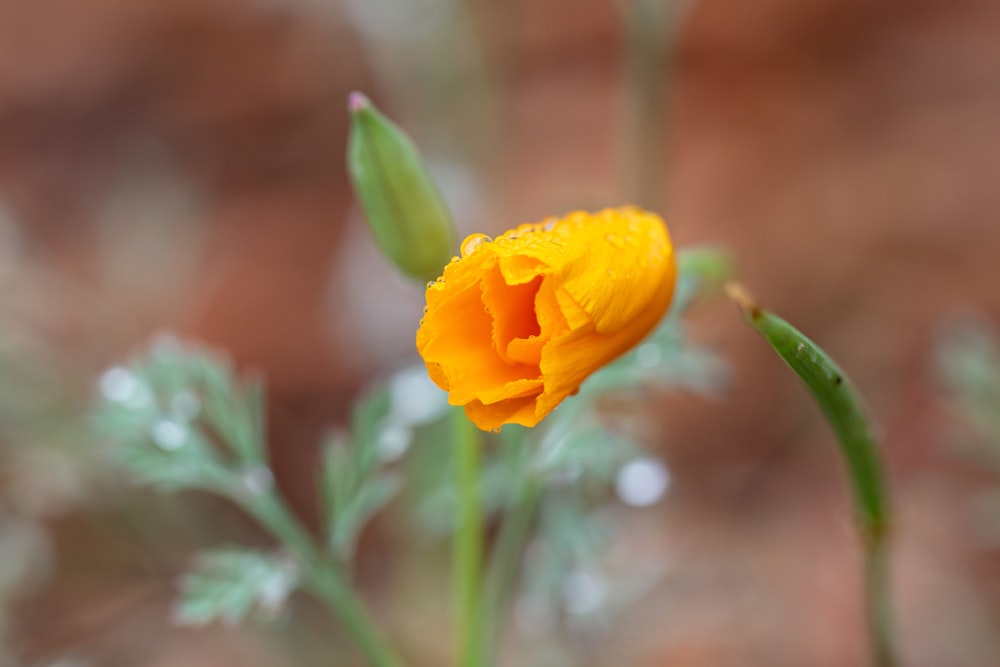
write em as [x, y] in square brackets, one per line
[841, 403]
[469, 619]
[320, 576]
[649, 31]
[878, 602]
[505, 563]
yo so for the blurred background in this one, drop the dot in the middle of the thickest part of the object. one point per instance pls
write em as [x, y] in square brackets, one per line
[180, 166]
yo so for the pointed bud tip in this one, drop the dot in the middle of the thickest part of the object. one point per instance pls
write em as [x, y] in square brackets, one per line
[357, 101]
[743, 298]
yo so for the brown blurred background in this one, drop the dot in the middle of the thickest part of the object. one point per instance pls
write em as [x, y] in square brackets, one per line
[179, 165]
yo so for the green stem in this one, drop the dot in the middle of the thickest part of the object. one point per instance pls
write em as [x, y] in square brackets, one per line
[877, 599]
[322, 577]
[842, 404]
[468, 547]
[648, 35]
[501, 580]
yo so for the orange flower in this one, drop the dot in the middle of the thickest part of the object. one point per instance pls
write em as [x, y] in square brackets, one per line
[515, 325]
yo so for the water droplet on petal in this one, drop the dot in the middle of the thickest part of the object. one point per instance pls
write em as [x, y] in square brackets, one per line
[472, 242]
[614, 240]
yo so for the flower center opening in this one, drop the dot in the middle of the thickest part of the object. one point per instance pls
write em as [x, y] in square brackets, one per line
[515, 325]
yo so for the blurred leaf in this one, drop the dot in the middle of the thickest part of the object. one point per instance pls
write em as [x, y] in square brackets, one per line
[353, 487]
[968, 363]
[228, 584]
[577, 447]
[368, 423]
[196, 468]
[181, 419]
[707, 267]
[667, 358]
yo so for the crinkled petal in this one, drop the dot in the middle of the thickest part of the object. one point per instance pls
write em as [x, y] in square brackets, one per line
[616, 264]
[515, 411]
[456, 340]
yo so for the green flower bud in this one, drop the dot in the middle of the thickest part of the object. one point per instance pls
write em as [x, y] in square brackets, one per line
[405, 210]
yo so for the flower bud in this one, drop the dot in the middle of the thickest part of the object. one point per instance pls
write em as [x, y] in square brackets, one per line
[517, 323]
[405, 210]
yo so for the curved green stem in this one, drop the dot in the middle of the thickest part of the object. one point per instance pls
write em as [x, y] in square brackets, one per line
[322, 577]
[841, 403]
[469, 617]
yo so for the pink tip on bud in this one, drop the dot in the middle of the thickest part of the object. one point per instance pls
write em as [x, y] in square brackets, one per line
[357, 102]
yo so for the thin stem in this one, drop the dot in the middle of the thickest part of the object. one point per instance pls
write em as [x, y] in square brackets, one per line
[501, 580]
[878, 602]
[648, 35]
[468, 547]
[322, 577]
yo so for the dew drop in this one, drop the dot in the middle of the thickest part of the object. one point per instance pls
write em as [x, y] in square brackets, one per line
[642, 482]
[472, 242]
[118, 384]
[583, 592]
[648, 355]
[258, 480]
[614, 240]
[415, 398]
[170, 435]
[495, 430]
[277, 585]
[393, 441]
[185, 406]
